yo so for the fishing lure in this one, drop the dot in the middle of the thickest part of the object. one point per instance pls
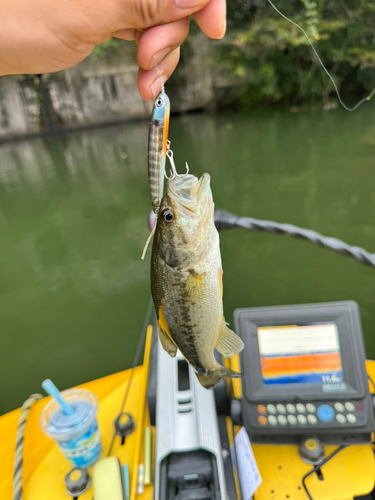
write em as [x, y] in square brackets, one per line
[157, 148]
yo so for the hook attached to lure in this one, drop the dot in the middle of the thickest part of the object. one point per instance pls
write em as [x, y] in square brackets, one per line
[173, 171]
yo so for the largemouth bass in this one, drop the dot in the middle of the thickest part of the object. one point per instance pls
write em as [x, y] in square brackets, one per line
[186, 280]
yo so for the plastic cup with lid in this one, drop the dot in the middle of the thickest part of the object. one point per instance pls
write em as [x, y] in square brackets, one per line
[77, 434]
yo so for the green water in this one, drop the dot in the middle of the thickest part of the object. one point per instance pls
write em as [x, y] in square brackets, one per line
[73, 211]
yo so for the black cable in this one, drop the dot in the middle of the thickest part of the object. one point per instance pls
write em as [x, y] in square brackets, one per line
[226, 220]
[135, 363]
[372, 383]
[317, 467]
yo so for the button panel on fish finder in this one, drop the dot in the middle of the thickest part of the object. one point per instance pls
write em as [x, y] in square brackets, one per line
[305, 372]
[310, 414]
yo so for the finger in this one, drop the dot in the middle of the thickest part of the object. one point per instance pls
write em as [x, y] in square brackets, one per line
[212, 19]
[157, 42]
[150, 82]
[118, 15]
[128, 34]
[125, 34]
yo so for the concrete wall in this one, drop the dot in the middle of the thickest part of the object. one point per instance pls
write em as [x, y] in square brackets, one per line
[100, 90]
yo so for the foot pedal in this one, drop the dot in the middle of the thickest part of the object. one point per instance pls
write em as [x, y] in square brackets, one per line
[189, 462]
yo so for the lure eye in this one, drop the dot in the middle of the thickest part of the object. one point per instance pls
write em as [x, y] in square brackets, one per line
[159, 102]
[168, 216]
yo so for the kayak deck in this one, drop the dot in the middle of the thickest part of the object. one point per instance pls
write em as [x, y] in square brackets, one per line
[45, 468]
[351, 473]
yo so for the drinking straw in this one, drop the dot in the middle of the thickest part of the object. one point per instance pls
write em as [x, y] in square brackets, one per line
[53, 391]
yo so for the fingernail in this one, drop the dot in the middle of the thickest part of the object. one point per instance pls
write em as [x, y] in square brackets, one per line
[156, 58]
[157, 85]
[189, 4]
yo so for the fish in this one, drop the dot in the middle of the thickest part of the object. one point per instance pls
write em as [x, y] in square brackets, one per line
[186, 280]
[157, 148]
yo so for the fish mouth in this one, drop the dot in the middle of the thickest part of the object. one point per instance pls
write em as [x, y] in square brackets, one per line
[188, 192]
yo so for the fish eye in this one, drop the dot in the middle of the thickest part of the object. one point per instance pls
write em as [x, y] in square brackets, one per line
[159, 102]
[168, 216]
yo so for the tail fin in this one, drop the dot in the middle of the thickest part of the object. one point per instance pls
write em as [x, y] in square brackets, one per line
[212, 377]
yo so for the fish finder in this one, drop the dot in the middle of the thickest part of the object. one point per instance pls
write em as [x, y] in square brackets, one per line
[305, 373]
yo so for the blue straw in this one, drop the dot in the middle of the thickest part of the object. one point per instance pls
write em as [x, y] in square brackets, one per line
[53, 391]
[125, 475]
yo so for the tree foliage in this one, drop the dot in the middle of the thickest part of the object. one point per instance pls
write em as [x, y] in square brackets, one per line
[276, 58]
[104, 48]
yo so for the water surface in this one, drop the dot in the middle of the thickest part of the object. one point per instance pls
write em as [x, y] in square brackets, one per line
[73, 212]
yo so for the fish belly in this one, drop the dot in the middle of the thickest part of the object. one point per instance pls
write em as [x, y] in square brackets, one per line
[193, 311]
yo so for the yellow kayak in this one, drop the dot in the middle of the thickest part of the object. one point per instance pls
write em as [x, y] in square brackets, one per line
[44, 468]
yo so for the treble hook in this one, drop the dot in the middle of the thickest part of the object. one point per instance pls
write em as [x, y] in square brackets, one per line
[173, 172]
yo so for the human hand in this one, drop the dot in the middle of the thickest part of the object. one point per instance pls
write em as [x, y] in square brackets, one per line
[45, 36]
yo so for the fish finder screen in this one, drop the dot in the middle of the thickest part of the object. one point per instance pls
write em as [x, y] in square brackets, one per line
[300, 354]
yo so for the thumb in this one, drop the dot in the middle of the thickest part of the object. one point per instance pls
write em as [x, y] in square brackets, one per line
[142, 14]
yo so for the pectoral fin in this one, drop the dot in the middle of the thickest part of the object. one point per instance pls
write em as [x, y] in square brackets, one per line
[164, 336]
[194, 286]
[167, 343]
[228, 342]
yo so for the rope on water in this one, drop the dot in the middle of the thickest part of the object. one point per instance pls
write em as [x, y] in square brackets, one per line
[226, 220]
[18, 458]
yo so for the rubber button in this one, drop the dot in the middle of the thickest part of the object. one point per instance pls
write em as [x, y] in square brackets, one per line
[339, 407]
[271, 409]
[340, 418]
[302, 419]
[311, 444]
[349, 406]
[325, 413]
[351, 418]
[359, 406]
[124, 419]
[262, 409]
[312, 419]
[282, 420]
[292, 420]
[75, 475]
[291, 408]
[311, 450]
[272, 420]
[281, 408]
[77, 481]
[262, 420]
[301, 408]
[310, 408]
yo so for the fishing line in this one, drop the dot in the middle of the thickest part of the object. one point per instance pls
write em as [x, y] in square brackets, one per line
[135, 363]
[321, 63]
[147, 242]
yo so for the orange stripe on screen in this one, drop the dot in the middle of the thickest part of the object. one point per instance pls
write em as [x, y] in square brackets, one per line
[303, 363]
